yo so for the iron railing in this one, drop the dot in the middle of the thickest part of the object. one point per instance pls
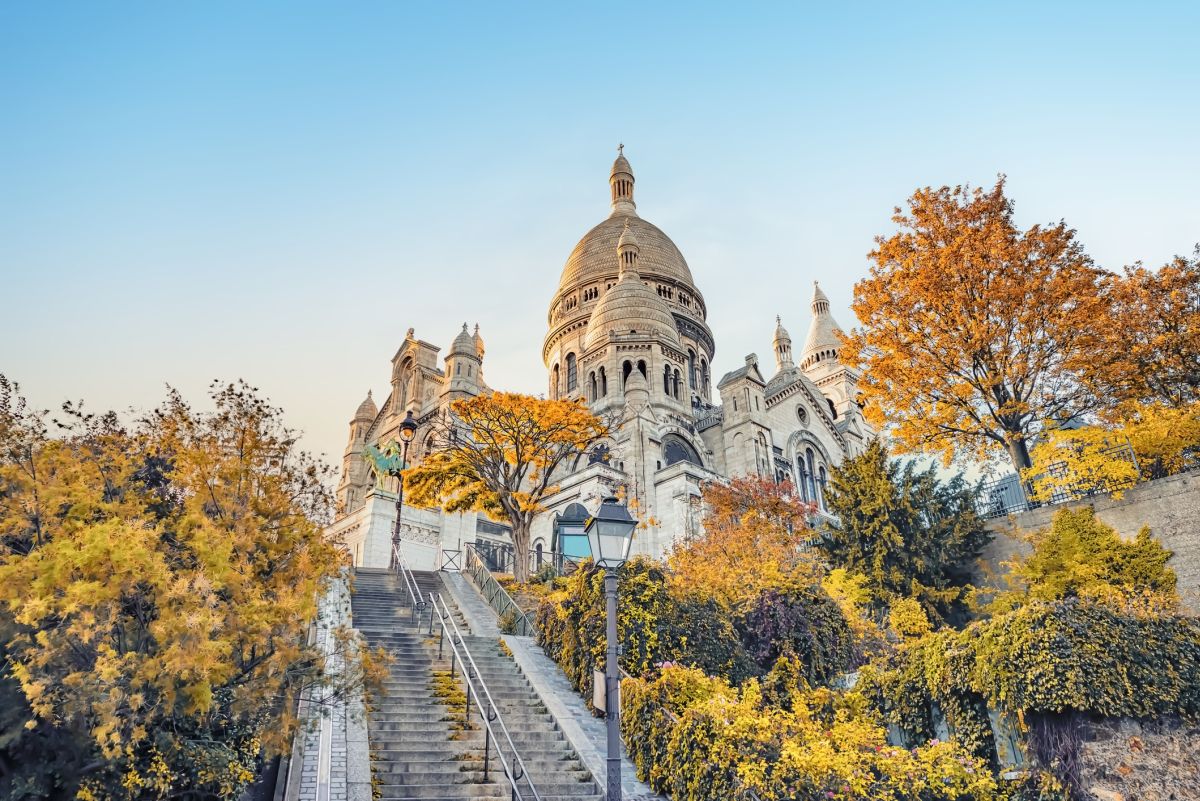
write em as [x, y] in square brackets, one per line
[451, 560]
[495, 733]
[410, 585]
[1009, 495]
[511, 616]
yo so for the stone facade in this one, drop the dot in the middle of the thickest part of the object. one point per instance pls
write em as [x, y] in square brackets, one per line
[1169, 506]
[627, 334]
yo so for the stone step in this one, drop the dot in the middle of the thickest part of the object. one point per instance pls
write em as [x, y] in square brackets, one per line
[421, 752]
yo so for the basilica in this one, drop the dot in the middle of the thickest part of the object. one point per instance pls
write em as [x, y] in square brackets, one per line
[628, 333]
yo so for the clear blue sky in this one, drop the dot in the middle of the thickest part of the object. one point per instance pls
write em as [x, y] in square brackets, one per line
[277, 191]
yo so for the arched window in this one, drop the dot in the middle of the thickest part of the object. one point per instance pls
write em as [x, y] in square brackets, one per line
[603, 383]
[678, 382]
[572, 373]
[554, 383]
[666, 379]
[704, 378]
[821, 482]
[677, 449]
[626, 369]
[592, 385]
[832, 408]
[691, 368]
[812, 475]
[802, 475]
[538, 551]
[642, 369]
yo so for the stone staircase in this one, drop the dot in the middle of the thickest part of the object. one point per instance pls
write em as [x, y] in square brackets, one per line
[420, 748]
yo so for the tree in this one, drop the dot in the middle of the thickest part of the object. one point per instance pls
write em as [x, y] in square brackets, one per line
[908, 533]
[160, 579]
[499, 454]
[1148, 350]
[972, 330]
[1081, 556]
[754, 532]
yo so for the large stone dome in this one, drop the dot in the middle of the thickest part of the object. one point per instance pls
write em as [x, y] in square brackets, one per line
[592, 259]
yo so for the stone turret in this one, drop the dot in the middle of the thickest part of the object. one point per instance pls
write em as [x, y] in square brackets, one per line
[464, 367]
[783, 347]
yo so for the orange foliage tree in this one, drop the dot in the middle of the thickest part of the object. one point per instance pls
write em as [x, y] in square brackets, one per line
[499, 454]
[972, 330]
[1148, 352]
[754, 530]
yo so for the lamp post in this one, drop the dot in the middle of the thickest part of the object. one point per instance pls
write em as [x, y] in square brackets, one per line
[408, 430]
[610, 533]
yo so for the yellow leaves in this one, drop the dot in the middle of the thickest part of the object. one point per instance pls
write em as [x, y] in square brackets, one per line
[753, 528]
[164, 572]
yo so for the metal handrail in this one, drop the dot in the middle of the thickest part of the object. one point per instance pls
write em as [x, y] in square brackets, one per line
[496, 596]
[472, 676]
[410, 584]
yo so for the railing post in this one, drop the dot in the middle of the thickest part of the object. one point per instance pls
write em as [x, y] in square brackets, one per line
[441, 639]
[487, 739]
[467, 706]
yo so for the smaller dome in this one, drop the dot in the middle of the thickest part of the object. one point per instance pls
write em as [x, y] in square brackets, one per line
[463, 344]
[367, 409]
[478, 342]
[630, 307]
[781, 333]
[621, 165]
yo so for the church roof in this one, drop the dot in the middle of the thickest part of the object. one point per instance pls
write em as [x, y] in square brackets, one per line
[591, 260]
[367, 409]
[824, 330]
[463, 343]
[748, 370]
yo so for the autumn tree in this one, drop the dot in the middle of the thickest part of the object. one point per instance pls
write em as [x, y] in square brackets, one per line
[907, 532]
[157, 582]
[755, 530]
[1080, 556]
[972, 330]
[500, 454]
[1147, 351]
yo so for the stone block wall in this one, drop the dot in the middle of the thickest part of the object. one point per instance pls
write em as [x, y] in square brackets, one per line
[1169, 506]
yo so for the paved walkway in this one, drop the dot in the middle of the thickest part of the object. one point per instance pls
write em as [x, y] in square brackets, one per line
[331, 760]
[587, 733]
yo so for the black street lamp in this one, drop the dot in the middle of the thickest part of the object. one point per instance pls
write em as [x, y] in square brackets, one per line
[610, 533]
[408, 430]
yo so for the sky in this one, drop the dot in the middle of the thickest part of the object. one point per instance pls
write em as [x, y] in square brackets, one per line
[278, 191]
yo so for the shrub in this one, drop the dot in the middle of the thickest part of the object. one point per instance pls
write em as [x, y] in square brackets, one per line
[800, 620]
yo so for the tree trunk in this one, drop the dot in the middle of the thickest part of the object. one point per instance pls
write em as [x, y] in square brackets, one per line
[1018, 451]
[520, 540]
